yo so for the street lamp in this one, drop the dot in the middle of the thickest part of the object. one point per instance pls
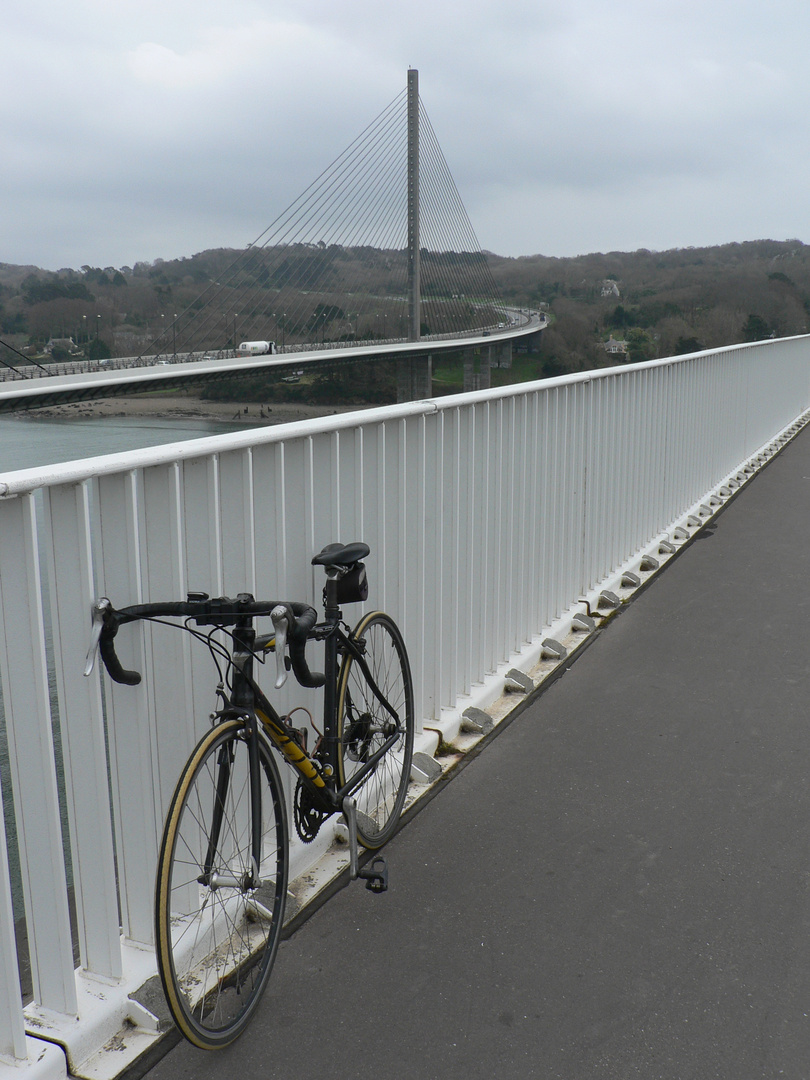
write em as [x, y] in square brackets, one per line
[174, 336]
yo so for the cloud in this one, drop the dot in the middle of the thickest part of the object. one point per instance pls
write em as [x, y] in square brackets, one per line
[145, 129]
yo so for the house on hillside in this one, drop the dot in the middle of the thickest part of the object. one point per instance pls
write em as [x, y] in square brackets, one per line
[610, 288]
[615, 346]
[66, 343]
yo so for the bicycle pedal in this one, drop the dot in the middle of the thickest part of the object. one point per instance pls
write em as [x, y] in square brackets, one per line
[375, 875]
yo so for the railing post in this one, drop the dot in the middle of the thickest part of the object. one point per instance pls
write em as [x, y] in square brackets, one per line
[12, 1028]
[70, 572]
[26, 699]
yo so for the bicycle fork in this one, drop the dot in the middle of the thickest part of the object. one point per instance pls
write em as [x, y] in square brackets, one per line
[215, 877]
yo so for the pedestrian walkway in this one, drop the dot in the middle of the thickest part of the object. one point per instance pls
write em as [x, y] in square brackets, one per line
[619, 885]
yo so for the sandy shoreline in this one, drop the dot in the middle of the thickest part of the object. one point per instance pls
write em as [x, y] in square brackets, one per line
[183, 406]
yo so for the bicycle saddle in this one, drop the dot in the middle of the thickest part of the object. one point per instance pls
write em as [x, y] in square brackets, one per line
[341, 554]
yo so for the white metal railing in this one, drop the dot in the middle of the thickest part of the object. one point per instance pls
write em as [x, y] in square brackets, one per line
[488, 516]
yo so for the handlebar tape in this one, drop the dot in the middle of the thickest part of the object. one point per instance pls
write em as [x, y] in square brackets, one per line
[115, 669]
[220, 612]
[300, 620]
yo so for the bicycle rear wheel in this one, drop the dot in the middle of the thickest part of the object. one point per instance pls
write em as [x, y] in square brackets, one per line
[375, 711]
[217, 929]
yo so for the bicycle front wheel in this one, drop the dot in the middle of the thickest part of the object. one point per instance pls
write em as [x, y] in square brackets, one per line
[218, 915]
[375, 716]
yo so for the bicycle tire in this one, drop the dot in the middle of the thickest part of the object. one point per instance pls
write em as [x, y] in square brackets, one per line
[364, 724]
[216, 942]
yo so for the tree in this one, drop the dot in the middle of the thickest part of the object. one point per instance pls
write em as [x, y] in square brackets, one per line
[687, 345]
[755, 329]
[620, 318]
[640, 346]
[97, 349]
[14, 323]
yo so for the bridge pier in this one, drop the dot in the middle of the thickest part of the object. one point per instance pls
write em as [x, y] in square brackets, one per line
[414, 379]
[501, 354]
[477, 364]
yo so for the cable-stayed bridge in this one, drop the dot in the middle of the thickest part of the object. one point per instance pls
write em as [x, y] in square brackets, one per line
[508, 529]
[376, 259]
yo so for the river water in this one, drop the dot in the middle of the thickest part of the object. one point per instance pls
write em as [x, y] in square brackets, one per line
[29, 441]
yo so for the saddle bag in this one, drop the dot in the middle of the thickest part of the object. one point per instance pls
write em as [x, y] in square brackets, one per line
[353, 586]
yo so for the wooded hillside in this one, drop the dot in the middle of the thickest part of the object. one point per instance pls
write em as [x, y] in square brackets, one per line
[660, 303]
[668, 302]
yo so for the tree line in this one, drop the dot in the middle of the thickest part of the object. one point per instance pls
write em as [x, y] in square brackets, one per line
[659, 303]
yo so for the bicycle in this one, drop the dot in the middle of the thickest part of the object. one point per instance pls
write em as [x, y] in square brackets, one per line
[223, 863]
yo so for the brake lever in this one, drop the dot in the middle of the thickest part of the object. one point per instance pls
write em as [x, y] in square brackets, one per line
[281, 623]
[98, 610]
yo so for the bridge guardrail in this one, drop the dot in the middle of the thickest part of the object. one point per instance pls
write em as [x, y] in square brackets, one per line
[498, 509]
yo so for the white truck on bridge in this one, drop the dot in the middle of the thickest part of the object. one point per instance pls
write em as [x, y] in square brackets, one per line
[256, 348]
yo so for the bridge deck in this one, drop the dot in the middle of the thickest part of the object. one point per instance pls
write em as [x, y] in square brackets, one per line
[139, 375]
[619, 885]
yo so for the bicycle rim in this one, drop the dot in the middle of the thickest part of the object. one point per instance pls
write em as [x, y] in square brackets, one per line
[365, 724]
[217, 934]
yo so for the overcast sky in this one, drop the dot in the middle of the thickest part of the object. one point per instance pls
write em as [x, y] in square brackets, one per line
[139, 129]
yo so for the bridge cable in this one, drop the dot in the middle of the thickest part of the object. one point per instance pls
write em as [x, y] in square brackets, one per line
[352, 217]
[27, 359]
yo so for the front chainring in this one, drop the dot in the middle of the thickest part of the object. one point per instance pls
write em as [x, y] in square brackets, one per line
[308, 818]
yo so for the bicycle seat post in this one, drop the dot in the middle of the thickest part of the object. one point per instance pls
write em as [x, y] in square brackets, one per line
[331, 608]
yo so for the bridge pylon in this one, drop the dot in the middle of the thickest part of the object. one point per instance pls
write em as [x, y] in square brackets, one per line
[414, 269]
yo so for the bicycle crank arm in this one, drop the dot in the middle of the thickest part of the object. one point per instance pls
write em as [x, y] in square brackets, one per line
[376, 874]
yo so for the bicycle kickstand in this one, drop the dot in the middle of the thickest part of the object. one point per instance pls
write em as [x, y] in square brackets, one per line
[375, 874]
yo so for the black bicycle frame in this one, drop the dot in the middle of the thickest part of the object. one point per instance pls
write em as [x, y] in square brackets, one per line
[249, 702]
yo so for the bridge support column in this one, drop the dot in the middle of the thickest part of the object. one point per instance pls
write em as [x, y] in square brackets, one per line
[501, 354]
[476, 368]
[414, 379]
